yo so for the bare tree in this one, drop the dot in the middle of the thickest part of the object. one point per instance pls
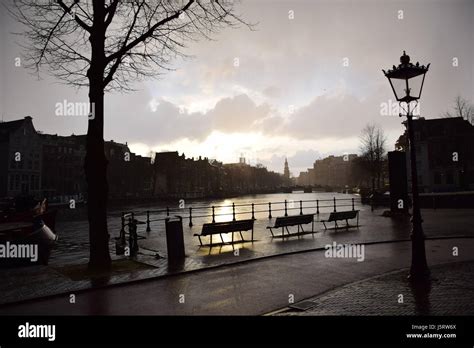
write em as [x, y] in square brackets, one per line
[373, 149]
[110, 44]
[462, 108]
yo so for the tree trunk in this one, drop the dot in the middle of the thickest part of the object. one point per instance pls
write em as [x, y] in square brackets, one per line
[96, 163]
[378, 179]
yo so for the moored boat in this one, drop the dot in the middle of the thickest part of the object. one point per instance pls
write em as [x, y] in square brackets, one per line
[31, 230]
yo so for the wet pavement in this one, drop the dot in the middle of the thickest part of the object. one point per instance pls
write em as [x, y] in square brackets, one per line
[253, 288]
[449, 292]
[30, 282]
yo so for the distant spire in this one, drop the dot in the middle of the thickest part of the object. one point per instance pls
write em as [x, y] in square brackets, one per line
[286, 171]
[242, 159]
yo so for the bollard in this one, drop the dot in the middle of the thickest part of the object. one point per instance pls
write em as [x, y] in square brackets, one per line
[233, 211]
[190, 217]
[317, 206]
[132, 236]
[269, 210]
[175, 240]
[213, 215]
[334, 204]
[167, 211]
[286, 211]
[301, 207]
[353, 204]
[148, 229]
[253, 212]
[120, 241]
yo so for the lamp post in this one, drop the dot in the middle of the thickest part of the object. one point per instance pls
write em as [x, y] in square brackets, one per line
[407, 81]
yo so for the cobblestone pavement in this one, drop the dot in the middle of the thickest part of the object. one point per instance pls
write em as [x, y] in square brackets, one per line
[264, 285]
[450, 292]
[30, 282]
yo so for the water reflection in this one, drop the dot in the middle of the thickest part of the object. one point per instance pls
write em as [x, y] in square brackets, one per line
[74, 232]
[420, 290]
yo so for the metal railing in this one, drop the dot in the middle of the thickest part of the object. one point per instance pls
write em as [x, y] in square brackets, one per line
[313, 206]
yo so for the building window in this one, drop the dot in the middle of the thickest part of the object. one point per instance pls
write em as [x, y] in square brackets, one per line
[437, 178]
[449, 178]
[17, 182]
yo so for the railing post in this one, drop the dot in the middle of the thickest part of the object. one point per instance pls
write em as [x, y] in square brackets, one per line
[353, 204]
[213, 215]
[122, 229]
[334, 204]
[269, 210]
[301, 207]
[148, 229]
[317, 206]
[233, 211]
[253, 212]
[130, 235]
[167, 211]
[190, 216]
[286, 211]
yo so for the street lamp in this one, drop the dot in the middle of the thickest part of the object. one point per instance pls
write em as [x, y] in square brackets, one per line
[407, 81]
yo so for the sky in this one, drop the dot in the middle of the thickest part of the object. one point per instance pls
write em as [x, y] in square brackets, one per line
[308, 80]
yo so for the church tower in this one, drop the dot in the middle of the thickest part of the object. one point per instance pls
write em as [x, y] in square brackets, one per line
[286, 172]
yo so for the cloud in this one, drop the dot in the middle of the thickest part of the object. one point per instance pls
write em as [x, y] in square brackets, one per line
[272, 92]
[159, 121]
[237, 114]
[337, 116]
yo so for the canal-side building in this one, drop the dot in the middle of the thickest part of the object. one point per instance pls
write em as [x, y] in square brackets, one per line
[52, 166]
[444, 154]
[63, 176]
[21, 158]
[128, 175]
[181, 177]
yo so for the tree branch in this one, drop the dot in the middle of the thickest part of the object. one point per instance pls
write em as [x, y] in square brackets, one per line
[147, 34]
[111, 12]
[76, 18]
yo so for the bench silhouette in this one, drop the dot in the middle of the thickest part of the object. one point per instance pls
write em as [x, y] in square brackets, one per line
[299, 220]
[210, 229]
[340, 216]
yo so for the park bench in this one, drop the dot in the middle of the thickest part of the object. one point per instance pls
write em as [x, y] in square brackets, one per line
[340, 216]
[225, 227]
[284, 222]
